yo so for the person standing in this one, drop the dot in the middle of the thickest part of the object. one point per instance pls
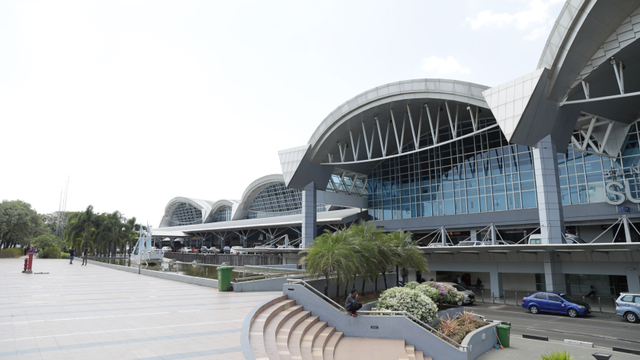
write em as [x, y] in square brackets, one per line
[84, 256]
[352, 305]
[459, 280]
[72, 253]
[478, 284]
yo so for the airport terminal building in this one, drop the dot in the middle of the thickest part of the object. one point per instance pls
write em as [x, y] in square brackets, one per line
[551, 153]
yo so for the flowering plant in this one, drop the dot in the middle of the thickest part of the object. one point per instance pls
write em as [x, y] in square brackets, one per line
[444, 294]
[405, 299]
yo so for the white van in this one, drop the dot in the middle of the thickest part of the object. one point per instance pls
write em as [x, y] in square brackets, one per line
[536, 239]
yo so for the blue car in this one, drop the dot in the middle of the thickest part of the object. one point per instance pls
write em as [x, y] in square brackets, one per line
[554, 302]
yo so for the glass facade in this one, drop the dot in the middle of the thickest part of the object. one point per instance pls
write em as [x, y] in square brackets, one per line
[583, 175]
[222, 214]
[484, 173]
[479, 173]
[186, 214]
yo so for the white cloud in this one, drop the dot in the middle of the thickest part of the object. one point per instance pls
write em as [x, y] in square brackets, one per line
[440, 67]
[536, 19]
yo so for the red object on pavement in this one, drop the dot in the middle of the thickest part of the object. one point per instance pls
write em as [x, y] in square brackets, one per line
[30, 263]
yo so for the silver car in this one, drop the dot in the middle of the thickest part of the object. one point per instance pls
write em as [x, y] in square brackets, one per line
[469, 296]
[628, 306]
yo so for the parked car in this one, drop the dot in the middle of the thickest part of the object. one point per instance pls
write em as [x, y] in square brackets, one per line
[500, 242]
[166, 249]
[574, 239]
[628, 306]
[235, 250]
[185, 250]
[554, 302]
[226, 249]
[470, 243]
[469, 296]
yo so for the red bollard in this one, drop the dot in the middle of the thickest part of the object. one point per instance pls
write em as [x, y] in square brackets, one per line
[30, 261]
[26, 261]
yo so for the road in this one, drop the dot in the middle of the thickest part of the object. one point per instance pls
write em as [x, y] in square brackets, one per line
[601, 329]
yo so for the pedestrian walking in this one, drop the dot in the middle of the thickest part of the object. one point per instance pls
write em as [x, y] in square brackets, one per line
[84, 256]
[72, 253]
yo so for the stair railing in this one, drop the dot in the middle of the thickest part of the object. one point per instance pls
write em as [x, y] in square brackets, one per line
[316, 291]
[305, 284]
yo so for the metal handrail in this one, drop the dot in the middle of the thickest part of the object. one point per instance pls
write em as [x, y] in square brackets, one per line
[307, 285]
[404, 313]
[431, 328]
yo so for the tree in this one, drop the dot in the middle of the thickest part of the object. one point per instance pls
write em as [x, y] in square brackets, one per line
[407, 254]
[366, 238]
[81, 226]
[329, 254]
[47, 240]
[19, 223]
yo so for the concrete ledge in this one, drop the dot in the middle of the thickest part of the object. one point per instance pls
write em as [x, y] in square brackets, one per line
[381, 327]
[162, 275]
[246, 326]
[578, 343]
[481, 340]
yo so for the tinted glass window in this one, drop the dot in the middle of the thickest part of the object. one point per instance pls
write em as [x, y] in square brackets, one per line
[554, 298]
[637, 299]
[627, 298]
[541, 296]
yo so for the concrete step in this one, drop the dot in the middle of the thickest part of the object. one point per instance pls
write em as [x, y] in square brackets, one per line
[256, 332]
[420, 355]
[272, 328]
[306, 346]
[319, 344]
[284, 334]
[350, 348]
[330, 348]
[297, 334]
[411, 351]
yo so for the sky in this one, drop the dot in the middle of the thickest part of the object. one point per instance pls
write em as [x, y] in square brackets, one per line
[136, 102]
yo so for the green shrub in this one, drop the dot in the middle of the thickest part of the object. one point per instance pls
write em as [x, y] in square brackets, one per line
[51, 252]
[11, 253]
[64, 255]
[456, 328]
[405, 299]
[557, 355]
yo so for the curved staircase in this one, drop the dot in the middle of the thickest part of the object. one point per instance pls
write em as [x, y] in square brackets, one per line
[282, 330]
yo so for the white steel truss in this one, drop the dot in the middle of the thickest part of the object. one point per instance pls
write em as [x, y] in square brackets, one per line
[399, 130]
[581, 142]
[618, 70]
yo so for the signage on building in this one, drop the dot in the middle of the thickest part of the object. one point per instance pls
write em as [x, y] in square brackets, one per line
[618, 191]
[615, 194]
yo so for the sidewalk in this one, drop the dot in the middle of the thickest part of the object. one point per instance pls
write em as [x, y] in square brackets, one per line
[524, 349]
[93, 312]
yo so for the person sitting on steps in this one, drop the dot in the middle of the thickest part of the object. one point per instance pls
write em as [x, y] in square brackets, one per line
[352, 305]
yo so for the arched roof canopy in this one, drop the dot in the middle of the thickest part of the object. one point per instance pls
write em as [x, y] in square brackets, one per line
[386, 121]
[587, 83]
[254, 190]
[203, 205]
[220, 205]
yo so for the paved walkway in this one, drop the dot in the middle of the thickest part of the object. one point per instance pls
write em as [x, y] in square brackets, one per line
[92, 312]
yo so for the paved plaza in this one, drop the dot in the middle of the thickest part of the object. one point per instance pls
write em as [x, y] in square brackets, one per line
[93, 312]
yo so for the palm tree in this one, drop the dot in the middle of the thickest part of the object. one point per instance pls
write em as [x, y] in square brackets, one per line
[81, 225]
[329, 254]
[407, 254]
[366, 237]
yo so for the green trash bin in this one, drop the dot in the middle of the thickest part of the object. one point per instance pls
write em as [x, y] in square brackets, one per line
[504, 331]
[224, 278]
